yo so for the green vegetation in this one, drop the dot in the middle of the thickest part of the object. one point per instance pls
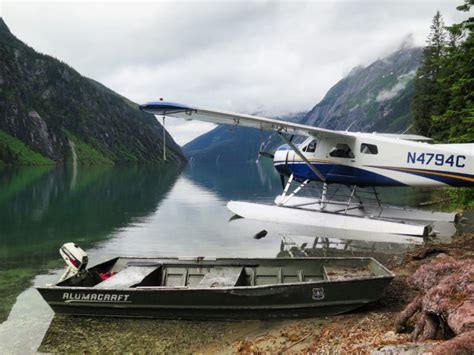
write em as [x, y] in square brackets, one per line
[461, 196]
[86, 154]
[13, 151]
[443, 102]
[12, 282]
[18, 179]
[43, 97]
[14, 279]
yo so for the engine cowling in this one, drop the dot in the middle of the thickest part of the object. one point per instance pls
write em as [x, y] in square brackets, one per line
[75, 258]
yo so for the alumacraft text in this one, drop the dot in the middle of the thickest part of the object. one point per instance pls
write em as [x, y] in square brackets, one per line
[95, 297]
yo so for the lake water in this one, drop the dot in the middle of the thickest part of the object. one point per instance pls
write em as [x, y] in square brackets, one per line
[133, 210]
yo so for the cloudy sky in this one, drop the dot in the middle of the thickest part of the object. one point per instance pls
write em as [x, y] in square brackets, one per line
[270, 57]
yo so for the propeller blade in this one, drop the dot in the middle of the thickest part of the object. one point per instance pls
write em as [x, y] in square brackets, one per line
[266, 155]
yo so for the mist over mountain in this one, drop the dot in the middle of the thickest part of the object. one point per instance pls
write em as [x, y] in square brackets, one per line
[50, 113]
[372, 98]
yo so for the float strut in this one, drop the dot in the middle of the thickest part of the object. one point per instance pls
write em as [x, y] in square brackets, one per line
[295, 191]
[353, 192]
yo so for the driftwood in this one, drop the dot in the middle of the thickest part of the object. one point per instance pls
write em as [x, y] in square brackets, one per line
[445, 303]
[460, 345]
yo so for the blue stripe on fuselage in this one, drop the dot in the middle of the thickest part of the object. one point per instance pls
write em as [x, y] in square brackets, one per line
[446, 177]
[337, 173]
[343, 174]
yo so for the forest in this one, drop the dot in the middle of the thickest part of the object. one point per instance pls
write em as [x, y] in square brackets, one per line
[443, 101]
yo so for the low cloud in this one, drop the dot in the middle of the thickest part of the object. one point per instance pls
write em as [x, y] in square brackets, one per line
[265, 56]
[400, 85]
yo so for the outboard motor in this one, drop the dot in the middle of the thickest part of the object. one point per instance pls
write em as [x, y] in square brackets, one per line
[75, 258]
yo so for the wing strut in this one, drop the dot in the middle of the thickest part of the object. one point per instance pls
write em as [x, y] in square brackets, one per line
[164, 140]
[296, 150]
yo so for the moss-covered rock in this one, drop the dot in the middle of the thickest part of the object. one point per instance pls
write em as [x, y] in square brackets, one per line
[13, 151]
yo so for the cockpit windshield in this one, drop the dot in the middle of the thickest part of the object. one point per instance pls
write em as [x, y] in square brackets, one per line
[310, 146]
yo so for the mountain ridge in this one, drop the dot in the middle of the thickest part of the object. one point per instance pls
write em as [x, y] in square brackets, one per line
[229, 143]
[372, 98]
[50, 108]
[376, 97]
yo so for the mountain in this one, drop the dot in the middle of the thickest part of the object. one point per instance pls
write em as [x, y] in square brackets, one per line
[374, 98]
[49, 113]
[227, 143]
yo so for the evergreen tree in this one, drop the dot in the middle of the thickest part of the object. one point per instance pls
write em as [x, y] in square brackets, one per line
[443, 102]
[455, 123]
[426, 100]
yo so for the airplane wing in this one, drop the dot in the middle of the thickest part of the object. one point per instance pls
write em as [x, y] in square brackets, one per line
[407, 137]
[222, 117]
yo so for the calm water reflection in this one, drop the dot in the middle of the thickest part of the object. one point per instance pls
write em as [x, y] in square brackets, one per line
[126, 211]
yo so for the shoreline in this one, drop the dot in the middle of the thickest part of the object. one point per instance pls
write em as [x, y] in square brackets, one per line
[369, 329]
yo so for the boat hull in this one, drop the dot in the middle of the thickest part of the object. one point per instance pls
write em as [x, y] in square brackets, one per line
[199, 314]
[285, 300]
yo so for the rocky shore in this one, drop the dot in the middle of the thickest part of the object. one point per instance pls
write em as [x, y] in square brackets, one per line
[439, 318]
[435, 282]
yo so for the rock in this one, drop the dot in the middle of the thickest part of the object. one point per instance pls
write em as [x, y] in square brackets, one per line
[390, 336]
[402, 349]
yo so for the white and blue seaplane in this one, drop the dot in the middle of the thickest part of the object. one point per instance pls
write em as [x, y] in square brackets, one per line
[354, 159]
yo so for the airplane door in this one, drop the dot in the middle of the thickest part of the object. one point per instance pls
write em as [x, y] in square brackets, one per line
[341, 171]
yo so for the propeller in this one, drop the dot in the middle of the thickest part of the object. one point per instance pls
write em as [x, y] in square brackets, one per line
[266, 155]
[282, 180]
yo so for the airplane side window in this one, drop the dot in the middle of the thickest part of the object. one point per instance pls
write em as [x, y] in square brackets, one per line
[311, 148]
[368, 148]
[341, 151]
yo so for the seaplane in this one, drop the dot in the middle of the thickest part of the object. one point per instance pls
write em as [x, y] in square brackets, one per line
[357, 161]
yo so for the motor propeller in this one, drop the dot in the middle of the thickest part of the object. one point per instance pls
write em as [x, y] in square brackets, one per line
[282, 180]
[266, 155]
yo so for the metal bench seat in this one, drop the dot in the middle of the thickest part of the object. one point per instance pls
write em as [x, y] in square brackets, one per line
[221, 277]
[128, 277]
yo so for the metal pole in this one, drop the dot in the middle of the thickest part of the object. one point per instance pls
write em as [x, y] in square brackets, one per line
[164, 140]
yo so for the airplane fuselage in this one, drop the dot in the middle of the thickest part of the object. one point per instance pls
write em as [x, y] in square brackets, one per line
[350, 158]
[366, 159]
